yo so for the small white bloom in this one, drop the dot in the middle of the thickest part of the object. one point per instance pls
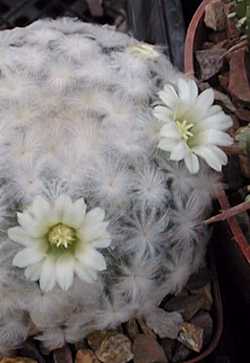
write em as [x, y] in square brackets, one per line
[192, 126]
[144, 50]
[60, 240]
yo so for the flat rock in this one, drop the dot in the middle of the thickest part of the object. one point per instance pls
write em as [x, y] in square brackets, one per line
[63, 355]
[204, 321]
[210, 61]
[199, 280]
[147, 350]
[96, 338]
[181, 353]
[215, 17]
[17, 360]
[239, 86]
[86, 356]
[168, 346]
[165, 324]
[116, 349]
[191, 336]
[132, 328]
[187, 306]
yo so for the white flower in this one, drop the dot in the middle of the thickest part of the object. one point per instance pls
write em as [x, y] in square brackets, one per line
[193, 126]
[144, 50]
[60, 240]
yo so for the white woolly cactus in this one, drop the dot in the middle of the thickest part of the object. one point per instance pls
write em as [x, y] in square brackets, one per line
[97, 223]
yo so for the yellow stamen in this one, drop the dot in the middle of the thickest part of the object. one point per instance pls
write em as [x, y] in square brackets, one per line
[185, 128]
[61, 235]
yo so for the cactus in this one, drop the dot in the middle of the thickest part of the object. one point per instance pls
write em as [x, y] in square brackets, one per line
[243, 138]
[242, 14]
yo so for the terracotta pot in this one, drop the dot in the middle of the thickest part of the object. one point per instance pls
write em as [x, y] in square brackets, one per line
[195, 34]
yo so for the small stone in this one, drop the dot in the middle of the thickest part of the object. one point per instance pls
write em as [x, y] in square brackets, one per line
[217, 37]
[86, 356]
[165, 324]
[245, 165]
[199, 280]
[204, 321]
[210, 62]
[215, 17]
[17, 360]
[188, 306]
[81, 345]
[239, 86]
[116, 349]
[206, 292]
[181, 353]
[63, 355]
[191, 336]
[96, 338]
[145, 328]
[168, 346]
[29, 349]
[147, 350]
[132, 328]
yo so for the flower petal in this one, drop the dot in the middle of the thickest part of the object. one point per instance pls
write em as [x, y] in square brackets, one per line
[31, 226]
[28, 256]
[94, 216]
[170, 131]
[75, 214]
[166, 144]
[179, 151]
[92, 258]
[85, 274]
[90, 232]
[62, 204]
[33, 272]
[192, 163]
[187, 90]
[204, 102]
[214, 156]
[169, 96]
[162, 113]
[218, 121]
[48, 274]
[216, 137]
[40, 208]
[18, 235]
[102, 242]
[65, 271]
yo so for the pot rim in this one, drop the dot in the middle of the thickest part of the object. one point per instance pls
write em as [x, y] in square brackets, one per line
[189, 67]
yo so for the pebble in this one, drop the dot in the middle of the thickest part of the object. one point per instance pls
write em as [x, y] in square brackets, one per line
[116, 349]
[132, 328]
[96, 338]
[181, 353]
[145, 328]
[215, 17]
[17, 360]
[86, 356]
[199, 280]
[191, 336]
[204, 321]
[188, 306]
[164, 324]
[147, 350]
[168, 346]
[63, 355]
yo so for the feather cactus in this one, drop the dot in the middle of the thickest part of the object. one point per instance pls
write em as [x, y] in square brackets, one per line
[98, 220]
[242, 14]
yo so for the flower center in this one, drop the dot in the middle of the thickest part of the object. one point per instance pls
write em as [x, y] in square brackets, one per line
[61, 235]
[185, 128]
